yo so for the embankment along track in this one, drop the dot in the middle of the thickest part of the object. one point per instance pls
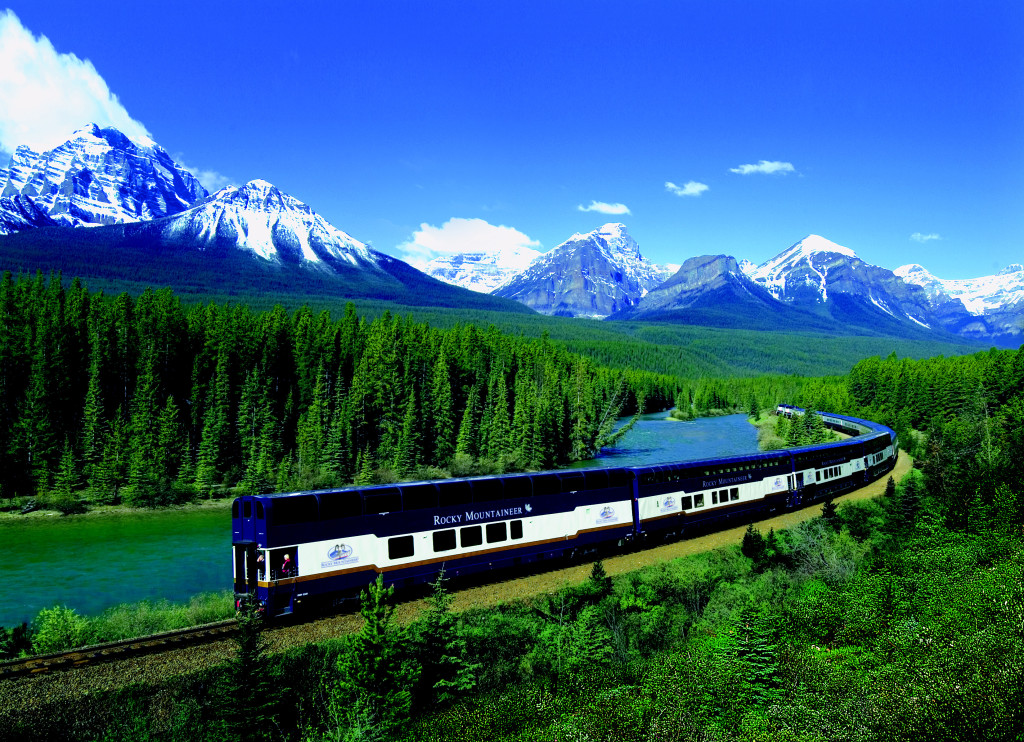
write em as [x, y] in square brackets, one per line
[33, 693]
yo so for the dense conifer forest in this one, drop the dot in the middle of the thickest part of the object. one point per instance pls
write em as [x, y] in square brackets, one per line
[143, 401]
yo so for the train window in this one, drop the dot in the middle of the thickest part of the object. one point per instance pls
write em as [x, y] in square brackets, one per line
[247, 509]
[400, 547]
[496, 532]
[596, 479]
[444, 540]
[546, 484]
[571, 482]
[296, 509]
[734, 493]
[518, 488]
[817, 476]
[383, 500]
[419, 496]
[471, 536]
[454, 493]
[714, 498]
[259, 510]
[234, 509]
[686, 502]
[515, 529]
[619, 478]
[698, 501]
[335, 505]
[488, 490]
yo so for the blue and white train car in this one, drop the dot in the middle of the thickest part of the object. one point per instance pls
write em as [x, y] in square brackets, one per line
[302, 548]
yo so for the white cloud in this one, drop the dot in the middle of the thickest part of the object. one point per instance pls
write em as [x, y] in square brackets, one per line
[919, 237]
[462, 235]
[766, 167]
[603, 208]
[212, 180]
[47, 96]
[693, 188]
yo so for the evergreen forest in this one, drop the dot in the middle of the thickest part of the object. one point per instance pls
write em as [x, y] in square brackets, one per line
[144, 401]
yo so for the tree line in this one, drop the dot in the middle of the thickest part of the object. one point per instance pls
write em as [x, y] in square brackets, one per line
[146, 401]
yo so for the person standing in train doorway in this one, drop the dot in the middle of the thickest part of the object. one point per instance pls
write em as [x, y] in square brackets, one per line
[287, 566]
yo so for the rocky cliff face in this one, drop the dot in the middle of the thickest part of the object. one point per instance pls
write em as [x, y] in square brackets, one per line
[100, 176]
[589, 275]
[19, 212]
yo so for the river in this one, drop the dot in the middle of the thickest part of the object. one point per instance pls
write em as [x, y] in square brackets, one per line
[91, 564]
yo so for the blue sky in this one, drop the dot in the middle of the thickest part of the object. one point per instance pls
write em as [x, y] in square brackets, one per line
[895, 128]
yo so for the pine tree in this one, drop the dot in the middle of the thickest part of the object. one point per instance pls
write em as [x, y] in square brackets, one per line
[442, 413]
[407, 454]
[245, 698]
[754, 548]
[440, 650]
[499, 427]
[466, 443]
[600, 580]
[757, 655]
[375, 677]
[64, 496]
[831, 515]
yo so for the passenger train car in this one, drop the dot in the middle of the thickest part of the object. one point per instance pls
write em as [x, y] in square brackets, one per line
[293, 551]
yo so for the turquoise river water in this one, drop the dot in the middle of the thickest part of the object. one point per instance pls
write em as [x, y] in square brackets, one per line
[91, 564]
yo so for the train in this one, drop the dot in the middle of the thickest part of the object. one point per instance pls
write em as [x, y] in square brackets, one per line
[299, 550]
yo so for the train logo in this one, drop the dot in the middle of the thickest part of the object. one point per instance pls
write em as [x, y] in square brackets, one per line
[339, 551]
[607, 515]
[340, 554]
[527, 508]
[669, 503]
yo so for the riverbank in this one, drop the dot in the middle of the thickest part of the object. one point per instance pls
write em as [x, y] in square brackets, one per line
[114, 511]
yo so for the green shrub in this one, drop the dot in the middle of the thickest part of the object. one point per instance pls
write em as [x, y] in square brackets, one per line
[57, 629]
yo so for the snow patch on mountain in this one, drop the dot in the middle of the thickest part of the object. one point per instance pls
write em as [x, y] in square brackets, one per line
[981, 296]
[809, 257]
[481, 270]
[275, 226]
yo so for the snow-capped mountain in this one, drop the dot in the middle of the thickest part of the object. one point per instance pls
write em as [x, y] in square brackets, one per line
[263, 220]
[816, 273]
[100, 176]
[481, 270]
[979, 295]
[20, 212]
[996, 301]
[801, 270]
[589, 275]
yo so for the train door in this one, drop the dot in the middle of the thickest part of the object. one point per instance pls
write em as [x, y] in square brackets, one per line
[245, 567]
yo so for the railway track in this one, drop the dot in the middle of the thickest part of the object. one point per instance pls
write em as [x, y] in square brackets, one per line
[470, 592]
[177, 639]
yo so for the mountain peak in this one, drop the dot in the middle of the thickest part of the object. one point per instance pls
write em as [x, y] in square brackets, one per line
[101, 176]
[1011, 268]
[814, 243]
[589, 275]
[113, 137]
[261, 218]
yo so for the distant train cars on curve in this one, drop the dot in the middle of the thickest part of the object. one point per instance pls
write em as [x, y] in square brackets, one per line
[301, 549]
